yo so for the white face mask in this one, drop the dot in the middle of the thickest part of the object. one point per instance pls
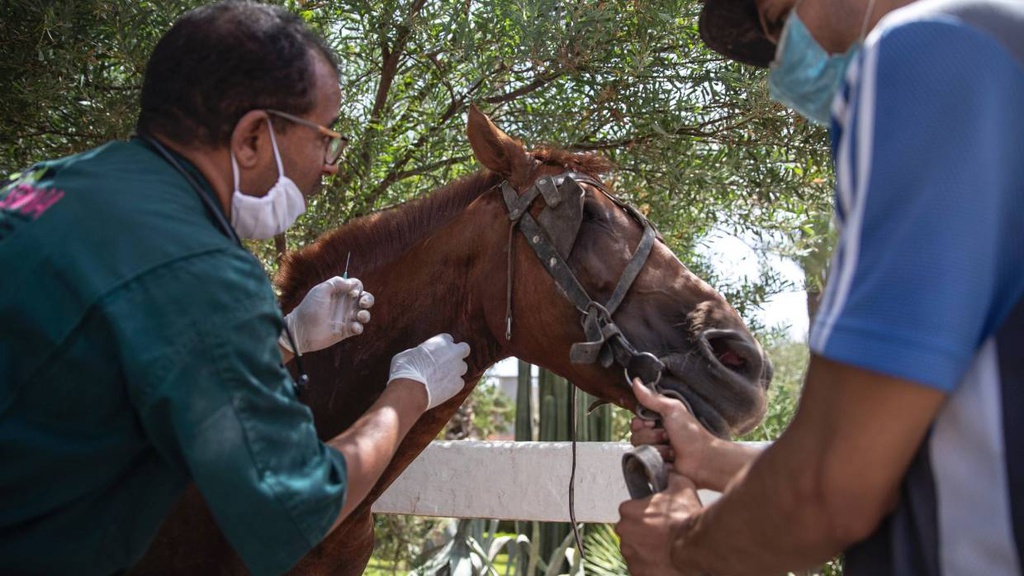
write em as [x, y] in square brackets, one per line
[263, 217]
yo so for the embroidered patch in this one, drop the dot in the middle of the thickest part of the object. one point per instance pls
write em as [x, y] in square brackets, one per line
[30, 201]
[22, 200]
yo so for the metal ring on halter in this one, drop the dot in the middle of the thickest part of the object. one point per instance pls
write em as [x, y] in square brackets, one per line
[647, 367]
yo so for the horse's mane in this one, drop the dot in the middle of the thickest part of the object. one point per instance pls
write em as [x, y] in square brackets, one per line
[378, 238]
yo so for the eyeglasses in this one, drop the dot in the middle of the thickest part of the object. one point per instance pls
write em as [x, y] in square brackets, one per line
[336, 143]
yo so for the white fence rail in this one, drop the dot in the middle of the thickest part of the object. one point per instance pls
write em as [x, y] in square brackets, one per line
[513, 481]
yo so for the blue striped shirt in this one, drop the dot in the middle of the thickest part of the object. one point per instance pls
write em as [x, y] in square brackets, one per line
[927, 277]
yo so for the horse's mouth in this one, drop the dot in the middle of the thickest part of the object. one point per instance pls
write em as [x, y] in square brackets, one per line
[722, 382]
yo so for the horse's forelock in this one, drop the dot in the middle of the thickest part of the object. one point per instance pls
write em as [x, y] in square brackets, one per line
[586, 162]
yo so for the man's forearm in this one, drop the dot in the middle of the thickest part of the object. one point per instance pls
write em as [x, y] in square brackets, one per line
[722, 463]
[765, 523]
[824, 484]
[370, 443]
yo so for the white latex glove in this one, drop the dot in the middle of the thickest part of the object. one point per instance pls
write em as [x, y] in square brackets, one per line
[332, 311]
[438, 364]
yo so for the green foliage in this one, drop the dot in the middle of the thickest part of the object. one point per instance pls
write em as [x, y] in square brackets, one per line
[400, 538]
[492, 410]
[472, 551]
[477, 549]
[603, 555]
[487, 411]
[70, 73]
[790, 361]
[698, 143]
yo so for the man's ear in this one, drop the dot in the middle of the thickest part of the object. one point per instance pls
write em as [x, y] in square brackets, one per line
[249, 137]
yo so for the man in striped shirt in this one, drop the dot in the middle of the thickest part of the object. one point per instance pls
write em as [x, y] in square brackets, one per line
[907, 450]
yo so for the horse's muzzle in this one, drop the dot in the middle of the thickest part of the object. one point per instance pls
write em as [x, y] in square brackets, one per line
[723, 381]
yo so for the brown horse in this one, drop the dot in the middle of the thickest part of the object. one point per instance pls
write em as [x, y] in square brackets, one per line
[441, 264]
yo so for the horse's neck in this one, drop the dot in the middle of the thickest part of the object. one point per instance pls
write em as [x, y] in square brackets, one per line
[423, 293]
[418, 295]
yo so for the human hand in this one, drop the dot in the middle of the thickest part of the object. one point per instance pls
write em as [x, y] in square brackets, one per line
[332, 311]
[647, 528]
[437, 363]
[683, 442]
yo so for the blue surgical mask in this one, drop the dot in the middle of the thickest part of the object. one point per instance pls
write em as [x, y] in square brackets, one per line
[803, 75]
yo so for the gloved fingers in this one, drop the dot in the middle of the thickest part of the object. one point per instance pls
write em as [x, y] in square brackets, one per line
[442, 349]
[365, 300]
[362, 317]
[461, 350]
[354, 286]
[352, 328]
[448, 343]
[339, 285]
[456, 368]
[455, 355]
[333, 285]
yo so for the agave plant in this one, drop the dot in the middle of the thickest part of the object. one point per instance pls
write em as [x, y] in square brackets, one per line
[477, 544]
[603, 555]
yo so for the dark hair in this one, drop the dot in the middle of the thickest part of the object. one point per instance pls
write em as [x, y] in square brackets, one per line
[220, 61]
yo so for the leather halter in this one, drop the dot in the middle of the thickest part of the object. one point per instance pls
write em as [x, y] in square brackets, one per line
[552, 240]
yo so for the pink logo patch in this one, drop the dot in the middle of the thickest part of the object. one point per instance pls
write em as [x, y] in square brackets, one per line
[30, 201]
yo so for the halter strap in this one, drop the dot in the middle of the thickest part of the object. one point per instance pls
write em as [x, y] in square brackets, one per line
[605, 342]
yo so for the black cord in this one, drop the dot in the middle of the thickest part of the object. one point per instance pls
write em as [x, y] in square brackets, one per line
[302, 383]
[572, 476]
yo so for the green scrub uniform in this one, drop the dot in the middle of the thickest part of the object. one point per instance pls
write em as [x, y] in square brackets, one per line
[138, 352]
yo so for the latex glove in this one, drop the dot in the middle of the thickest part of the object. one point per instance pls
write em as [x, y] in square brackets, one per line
[332, 311]
[438, 364]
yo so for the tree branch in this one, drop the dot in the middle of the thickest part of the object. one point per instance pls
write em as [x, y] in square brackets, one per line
[544, 80]
[394, 175]
[428, 168]
[691, 131]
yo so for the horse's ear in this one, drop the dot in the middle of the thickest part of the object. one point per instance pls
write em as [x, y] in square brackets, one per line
[496, 150]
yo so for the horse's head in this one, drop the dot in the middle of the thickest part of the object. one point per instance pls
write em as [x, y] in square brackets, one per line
[595, 294]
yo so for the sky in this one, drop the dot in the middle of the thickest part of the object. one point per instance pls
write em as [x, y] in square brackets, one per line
[733, 259]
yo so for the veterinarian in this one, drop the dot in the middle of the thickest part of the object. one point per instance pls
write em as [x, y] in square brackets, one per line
[141, 345]
[907, 449]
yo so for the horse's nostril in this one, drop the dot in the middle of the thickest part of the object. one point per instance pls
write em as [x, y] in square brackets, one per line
[736, 352]
[726, 355]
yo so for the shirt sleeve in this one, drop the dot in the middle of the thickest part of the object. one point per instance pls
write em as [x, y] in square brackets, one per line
[205, 373]
[929, 189]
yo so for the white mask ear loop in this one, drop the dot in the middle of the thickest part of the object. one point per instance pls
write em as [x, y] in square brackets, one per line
[277, 155]
[234, 169]
[867, 18]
